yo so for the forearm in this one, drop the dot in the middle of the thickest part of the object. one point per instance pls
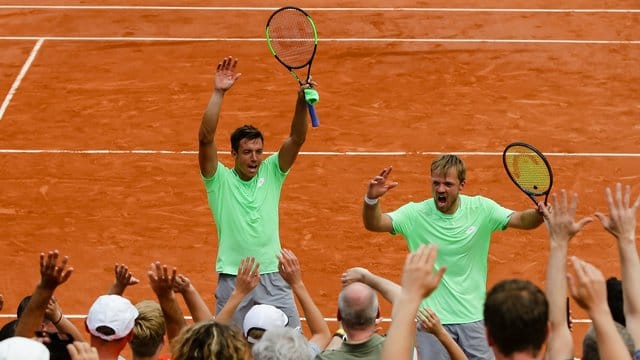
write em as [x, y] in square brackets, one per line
[371, 216]
[299, 124]
[560, 342]
[387, 288]
[66, 326]
[453, 349]
[116, 289]
[398, 343]
[320, 332]
[610, 343]
[526, 220]
[630, 267]
[31, 319]
[210, 117]
[173, 316]
[226, 313]
[197, 307]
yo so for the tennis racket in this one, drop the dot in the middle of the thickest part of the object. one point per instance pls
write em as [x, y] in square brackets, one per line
[293, 40]
[528, 169]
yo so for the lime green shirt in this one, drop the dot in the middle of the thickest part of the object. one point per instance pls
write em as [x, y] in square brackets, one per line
[463, 247]
[246, 215]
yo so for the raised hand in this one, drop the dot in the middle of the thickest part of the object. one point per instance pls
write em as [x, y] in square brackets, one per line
[289, 267]
[379, 185]
[53, 274]
[560, 218]
[161, 280]
[248, 275]
[355, 274]
[621, 221]
[419, 276]
[225, 73]
[588, 287]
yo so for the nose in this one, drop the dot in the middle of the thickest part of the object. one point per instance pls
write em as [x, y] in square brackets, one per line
[254, 156]
[441, 188]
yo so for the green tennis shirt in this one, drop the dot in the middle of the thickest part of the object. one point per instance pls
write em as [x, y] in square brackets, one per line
[246, 215]
[463, 247]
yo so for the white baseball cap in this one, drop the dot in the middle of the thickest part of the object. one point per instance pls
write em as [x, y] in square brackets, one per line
[18, 348]
[112, 311]
[265, 317]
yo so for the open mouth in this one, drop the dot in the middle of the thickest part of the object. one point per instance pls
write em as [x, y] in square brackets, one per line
[442, 200]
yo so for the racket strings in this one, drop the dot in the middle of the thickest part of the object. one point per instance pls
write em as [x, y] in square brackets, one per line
[292, 37]
[529, 170]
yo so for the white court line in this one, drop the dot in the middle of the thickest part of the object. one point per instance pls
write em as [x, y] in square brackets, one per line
[383, 319]
[249, 8]
[18, 79]
[417, 40]
[311, 153]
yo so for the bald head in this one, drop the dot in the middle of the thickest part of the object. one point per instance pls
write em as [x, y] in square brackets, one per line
[358, 306]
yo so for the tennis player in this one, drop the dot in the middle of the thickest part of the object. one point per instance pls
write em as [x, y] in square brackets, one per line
[244, 199]
[461, 226]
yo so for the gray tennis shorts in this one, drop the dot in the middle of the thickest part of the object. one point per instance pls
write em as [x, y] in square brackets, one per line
[271, 290]
[471, 338]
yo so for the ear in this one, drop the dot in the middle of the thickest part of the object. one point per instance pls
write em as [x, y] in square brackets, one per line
[339, 316]
[378, 313]
[462, 184]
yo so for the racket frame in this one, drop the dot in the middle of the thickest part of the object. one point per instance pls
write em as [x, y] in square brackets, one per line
[312, 112]
[533, 196]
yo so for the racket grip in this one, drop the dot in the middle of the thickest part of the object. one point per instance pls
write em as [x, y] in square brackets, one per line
[314, 118]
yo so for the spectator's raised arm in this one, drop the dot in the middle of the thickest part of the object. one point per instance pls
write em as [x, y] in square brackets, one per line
[561, 227]
[197, 307]
[162, 284]
[52, 275]
[621, 223]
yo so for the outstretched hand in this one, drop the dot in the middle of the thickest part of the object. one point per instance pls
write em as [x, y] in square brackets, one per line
[379, 185]
[419, 276]
[621, 221]
[53, 274]
[226, 74]
[588, 286]
[560, 218]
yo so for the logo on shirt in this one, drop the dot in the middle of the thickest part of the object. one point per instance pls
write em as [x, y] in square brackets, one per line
[260, 182]
[471, 230]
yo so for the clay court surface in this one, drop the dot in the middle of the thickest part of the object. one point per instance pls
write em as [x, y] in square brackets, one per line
[102, 104]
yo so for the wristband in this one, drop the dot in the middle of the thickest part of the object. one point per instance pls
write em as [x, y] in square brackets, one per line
[370, 201]
[59, 319]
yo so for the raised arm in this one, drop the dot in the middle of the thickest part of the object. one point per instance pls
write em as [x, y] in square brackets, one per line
[196, 305]
[588, 289]
[162, 284]
[247, 279]
[372, 216]
[62, 324]
[298, 133]
[225, 77]
[419, 280]
[562, 228]
[123, 278]
[289, 268]
[621, 223]
[52, 275]
[387, 288]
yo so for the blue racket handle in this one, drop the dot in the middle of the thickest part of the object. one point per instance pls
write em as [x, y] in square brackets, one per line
[312, 113]
[312, 97]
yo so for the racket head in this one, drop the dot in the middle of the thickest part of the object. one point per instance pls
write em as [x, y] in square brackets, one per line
[292, 37]
[529, 169]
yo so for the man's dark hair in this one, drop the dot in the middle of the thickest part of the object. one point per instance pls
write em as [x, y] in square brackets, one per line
[616, 300]
[248, 132]
[516, 315]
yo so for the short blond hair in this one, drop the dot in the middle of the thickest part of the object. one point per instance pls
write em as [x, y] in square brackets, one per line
[446, 162]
